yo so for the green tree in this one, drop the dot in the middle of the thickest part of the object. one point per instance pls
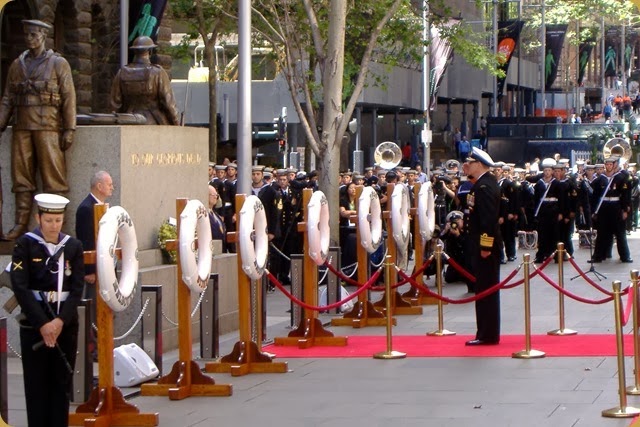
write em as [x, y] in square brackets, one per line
[325, 48]
[207, 21]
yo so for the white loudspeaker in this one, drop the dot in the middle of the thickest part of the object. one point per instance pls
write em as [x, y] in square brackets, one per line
[322, 298]
[132, 366]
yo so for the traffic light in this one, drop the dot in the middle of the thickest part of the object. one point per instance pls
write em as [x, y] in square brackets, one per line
[282, 128]
[282, 145]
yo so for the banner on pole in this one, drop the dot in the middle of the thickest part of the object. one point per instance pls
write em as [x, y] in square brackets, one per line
[145, 17]
[508, 34]
[555, 35]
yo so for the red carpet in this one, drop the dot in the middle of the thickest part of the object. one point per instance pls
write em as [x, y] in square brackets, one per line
[453, 346]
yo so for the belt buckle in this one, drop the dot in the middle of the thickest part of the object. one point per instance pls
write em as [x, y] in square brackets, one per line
[51, 296]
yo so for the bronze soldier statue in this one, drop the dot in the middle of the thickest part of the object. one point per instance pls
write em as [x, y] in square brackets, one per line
[40, 91]
[144, 88]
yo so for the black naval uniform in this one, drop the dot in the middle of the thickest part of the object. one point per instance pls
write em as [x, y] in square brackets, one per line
[612, 197]
[484, 235]
[47, 381]
[549, 207]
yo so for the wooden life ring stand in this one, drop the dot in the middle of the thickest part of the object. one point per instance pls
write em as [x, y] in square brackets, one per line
[195, 261]
[426, 212]
[318, 229]
[400, 215]
[370, 219]
[116, 227]
[253, 240]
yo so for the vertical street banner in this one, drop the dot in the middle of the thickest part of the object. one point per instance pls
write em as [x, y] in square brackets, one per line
[508, 34]
[554, 41]
[440, 54]
[584, 53]
[611, 51]
[629, 48]
[145, 17]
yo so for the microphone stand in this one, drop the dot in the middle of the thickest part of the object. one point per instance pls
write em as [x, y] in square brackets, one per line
[592, 269]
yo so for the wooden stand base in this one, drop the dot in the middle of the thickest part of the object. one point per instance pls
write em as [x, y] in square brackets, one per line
[415, 297]
[363, 314]
[310, 333]
[246, 359]
[96, 413]
[170, 385]
[400, 307]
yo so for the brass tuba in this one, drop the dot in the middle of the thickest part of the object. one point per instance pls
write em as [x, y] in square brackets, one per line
[617, 147]
[387, 155]
[452, 164]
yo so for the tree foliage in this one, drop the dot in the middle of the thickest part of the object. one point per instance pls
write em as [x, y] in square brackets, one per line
[207, 21]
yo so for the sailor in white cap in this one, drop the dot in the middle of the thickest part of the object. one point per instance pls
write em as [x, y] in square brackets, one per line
[257, 179]
[548, 209]
[47, 275]
[483, 201]
[612, 204]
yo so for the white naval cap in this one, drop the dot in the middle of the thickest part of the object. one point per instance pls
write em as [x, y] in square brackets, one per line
[51, 203]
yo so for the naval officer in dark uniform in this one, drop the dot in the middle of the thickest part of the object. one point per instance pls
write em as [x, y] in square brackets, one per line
[47, 275]
[485, 244]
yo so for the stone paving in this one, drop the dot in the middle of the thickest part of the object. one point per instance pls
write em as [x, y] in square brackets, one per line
[554, 392]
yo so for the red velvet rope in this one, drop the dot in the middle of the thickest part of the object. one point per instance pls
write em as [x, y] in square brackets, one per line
[482, 294]
[587, 279]
[452, 262]
[629, 307]
[461, 270]
[350, 281]
[573, 296]
[337, 304]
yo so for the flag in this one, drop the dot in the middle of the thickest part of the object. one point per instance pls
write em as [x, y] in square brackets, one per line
[554, 41]
[440, 53]
[508, 33]
[611, 51]
[584, 53]
[145, 17]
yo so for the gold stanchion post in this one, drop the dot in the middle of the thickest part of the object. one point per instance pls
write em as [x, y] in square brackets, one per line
[561, 330]
[622, 411]
[527, 353]
[441, 332]
[389, 353]
[635, 389]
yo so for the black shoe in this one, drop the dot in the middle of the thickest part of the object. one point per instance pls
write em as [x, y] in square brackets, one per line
[512, 258]
[503, 262]
[538, 261]
[628, 260]
[481, 342]
[595, 260]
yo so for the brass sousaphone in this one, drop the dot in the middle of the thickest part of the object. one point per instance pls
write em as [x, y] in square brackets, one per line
[388, 155]
[617, 147]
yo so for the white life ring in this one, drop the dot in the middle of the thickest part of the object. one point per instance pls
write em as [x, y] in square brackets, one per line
[426, 212]
[116, 226]
[196, 266]
[400, 215]
[253, 240]
[369, 219]
[318, 231]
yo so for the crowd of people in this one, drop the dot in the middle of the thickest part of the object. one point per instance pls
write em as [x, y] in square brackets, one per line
[551, 197]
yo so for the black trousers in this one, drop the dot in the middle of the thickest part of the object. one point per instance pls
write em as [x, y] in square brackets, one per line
[47, 382]
[487, 273]
[610, 224]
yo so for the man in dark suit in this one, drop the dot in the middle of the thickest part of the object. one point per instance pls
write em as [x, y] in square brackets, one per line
[485, 244]
[101, 189]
